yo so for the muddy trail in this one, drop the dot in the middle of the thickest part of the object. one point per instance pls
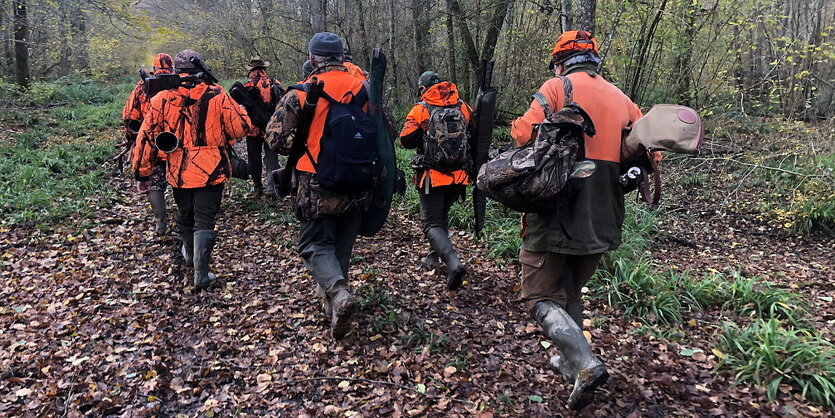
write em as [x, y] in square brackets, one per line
[103, 322]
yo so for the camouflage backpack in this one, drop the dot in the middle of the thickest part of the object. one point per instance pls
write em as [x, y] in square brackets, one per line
[550, 167]
[446, 146]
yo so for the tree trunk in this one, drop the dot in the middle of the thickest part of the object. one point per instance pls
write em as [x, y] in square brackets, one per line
[80, 40]
[567, 15]
[421, 29]
[318, 15]
[363, 53]
[450, 34]
[21, 33]
[5, 29]
[585, 15]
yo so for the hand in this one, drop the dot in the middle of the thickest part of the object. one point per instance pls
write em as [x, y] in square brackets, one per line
[143, 186]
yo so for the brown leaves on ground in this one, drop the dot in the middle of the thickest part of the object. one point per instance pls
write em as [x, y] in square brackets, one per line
[103, 323]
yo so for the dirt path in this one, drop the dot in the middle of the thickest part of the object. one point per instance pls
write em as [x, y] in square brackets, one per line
[103, 323]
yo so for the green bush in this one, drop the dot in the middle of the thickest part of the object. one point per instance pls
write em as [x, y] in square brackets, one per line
[633, 288]
[765, 353]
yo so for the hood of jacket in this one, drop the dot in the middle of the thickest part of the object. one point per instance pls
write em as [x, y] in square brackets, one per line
[441, 94]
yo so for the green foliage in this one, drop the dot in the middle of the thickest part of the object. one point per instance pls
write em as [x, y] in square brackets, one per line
[768, 354]
[47, 185]
[757, 298]
[422, 339]
[632, 287]
[639, 226]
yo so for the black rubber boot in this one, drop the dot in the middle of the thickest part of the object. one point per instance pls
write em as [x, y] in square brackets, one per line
[204, 242]
[431, 261]
[188, 246]
[326, 301]
[577, 361]
[575, 311]
[456, 271]
[157, 199]
[343, 305]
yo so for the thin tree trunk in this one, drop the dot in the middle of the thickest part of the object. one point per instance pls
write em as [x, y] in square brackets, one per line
[421, 28]
[318, 15]
[5, 30]
[21, 34]
[364, 49]
[80, 40]
[586, 14]
[567, 15]
[450, 33]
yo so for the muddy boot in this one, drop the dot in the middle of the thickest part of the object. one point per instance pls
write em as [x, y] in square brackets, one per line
[326, 301]
[576, 360]
[187, 249]
[575, 311]
[439, 240]
[204, 241]
[431, 261]
[343, 305]
[157, 198]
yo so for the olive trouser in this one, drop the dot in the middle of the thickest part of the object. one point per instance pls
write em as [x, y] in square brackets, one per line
[554, 276]
[326, 244]
[157, 178]
[435, 205]
[254, 144]
[197, 208]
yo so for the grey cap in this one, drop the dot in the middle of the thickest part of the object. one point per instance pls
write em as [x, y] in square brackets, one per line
[307, 68]
[183, 59]
[429, 79]
[325, 44]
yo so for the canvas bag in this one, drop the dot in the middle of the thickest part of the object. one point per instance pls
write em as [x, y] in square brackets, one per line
[550, 167]
[666, 127]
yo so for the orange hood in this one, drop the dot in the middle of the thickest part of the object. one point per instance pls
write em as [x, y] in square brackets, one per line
[441, 94]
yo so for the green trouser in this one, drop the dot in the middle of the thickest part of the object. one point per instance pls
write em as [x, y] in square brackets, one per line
[325, 245]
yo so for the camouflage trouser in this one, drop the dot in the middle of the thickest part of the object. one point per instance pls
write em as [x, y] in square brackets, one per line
[315, 202]
[157, 178]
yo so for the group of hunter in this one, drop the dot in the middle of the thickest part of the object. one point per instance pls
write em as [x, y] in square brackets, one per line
[560, 249]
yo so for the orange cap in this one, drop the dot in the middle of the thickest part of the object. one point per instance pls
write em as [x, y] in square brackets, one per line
[574, 41]
[163, 62]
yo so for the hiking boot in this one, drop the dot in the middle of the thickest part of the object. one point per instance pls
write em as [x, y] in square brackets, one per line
[157, 198]
[204, 242]
[439, 241]
[576, 360]
[326, 301]
[431, 261]
[343, 305]
[187, 249]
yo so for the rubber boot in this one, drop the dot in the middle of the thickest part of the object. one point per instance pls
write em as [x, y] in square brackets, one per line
[575, 311]
[204, 242]
[431, 261]
[577, 361]
[157, 198]
[456, 271]
[326, 301]
[188, 246]
[343, 305]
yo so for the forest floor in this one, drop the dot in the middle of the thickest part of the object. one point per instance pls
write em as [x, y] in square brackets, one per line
[98, 318]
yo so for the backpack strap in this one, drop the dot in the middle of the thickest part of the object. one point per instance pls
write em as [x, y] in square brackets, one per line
[568, 89]
[543, 102]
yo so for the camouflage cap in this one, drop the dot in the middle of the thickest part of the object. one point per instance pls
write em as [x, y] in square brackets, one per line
[163, 61]
[429, 79]
[182, 61]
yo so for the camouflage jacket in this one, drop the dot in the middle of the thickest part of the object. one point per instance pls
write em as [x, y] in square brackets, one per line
[312, 201]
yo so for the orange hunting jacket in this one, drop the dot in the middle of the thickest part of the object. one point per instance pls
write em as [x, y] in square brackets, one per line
[206, 120]
[260, 84]
[417, 123]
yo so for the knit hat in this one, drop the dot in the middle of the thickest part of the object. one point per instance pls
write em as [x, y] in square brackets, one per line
[571, 43]
[182, 61]
[307, 68]
[429, 79]
[163, 62]
[325, 44]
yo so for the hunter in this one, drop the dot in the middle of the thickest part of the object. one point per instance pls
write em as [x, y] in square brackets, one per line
[561, 249]
[354, 69]
[329, 217]
[206, 122]
[132, 115]
[439, 127]
[260, 85]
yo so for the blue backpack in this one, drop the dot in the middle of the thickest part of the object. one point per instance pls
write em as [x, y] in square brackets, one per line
[349, 157]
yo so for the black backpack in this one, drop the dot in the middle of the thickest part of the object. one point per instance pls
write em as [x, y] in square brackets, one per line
[349, 157]
[446, 146]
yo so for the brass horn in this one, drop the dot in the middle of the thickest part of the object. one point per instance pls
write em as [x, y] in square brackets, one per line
[134, 125]
[167, 142]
